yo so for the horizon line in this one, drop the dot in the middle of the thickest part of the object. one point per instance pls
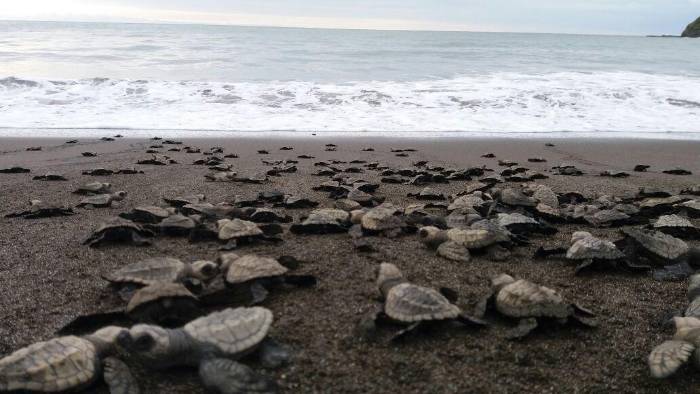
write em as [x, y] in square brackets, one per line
[176, 23]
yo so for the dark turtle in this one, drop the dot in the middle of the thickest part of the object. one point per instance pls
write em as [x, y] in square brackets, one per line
[293, 202]
[531, 305]
[608, 218]
[520, 224]
[677, 171]
[166, 304]
[238, 230]
[515, 198]
[693, 190]
[118, 230]
[211, 343]
[641, 168]
[68, 363]
[614, 174]
[94, 188]
[39, 209]
[180, 201]
[667, 358]
[690, 208]
[14, 170]
[428, 194]
[98, 172]
[147, 214]
[128, 171]
[89, 154]
[175, 225]
[101, 200]
[587, 250]
[50, 176]
[411, 305]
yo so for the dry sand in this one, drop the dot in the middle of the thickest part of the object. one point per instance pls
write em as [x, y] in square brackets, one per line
[47, 277]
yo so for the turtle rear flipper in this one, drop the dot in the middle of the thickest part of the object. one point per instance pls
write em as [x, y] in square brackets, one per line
[523, 329]
[229, 377]
[584, 265]
[582, 311]
[258, 293]
[668, 357]
[118, 377]
[86, 324]
[471, 321]
[403, 333]
[272, 354]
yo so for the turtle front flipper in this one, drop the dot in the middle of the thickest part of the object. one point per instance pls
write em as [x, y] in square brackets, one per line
[258, 293]
[471, 321]
[483, 305]
[272, 354]
[225, 376]
[403, 333]
[666, 358]
[583, 266]
[523, 329]
[118, 377]
[300, 280]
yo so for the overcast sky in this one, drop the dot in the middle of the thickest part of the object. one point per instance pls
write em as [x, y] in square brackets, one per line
[556, 16]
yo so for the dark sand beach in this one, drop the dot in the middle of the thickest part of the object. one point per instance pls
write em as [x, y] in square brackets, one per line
[48, 277]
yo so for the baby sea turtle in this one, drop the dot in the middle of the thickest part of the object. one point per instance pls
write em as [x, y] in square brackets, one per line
[39, 209]
[588, 250]
[238, 231]
[118, 230]
[161, 269]
[412, 305]
[256, 275]
[147, 214]
[98, 172]
[530, 304]
[323, 221]
[94, 188]
[211, 343]
[14, 170]
[102, 200]
[175, 225]
[383, 219]
[68, 363]
[676, 226]
[655, 246]
[50, 176]
[668, 357]
[180, 201]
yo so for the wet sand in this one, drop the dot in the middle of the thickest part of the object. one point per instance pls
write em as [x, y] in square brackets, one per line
[48, 277]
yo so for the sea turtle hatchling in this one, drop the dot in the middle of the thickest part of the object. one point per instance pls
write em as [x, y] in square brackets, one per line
[213, 344]
[39, 209]
[530, 304]
[160, 270]
[118, 230]
[412, 306]
[658, 247]
[251, 277]
[676, 226]
[68, 363]
[588, 250]
[148, 214]
[668, 357]
[94, 188]
[102, 200]
[323, 221]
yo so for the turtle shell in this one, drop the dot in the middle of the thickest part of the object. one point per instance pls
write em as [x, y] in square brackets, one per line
[472, 238]
[657, 243]
[119, 223]
[323, 220]
[100, 200]
[147, 214]
[522, 299]
[231, 332]
[149, 271]
[381, 218]
[545, 195]
[673, 222]
[237, 228]
[180, 201]
[250, 267]
[60, 364]
[471, 201]
[593, 248]
[453, 251]
[94, 188]
[607, 217]
[409, 303]
[516, 198]
[158, 291]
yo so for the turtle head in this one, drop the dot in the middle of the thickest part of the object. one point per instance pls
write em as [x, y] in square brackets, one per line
[225, 261]
[501, 281]
[432, 236]
[105, 338]
[388, 276]
[204, 270]
[146, 342]
[579, 235]
[118, 196]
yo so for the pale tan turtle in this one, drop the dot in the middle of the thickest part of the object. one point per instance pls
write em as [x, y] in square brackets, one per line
[530, 304]
[68, 363]
[255, 275]
[454, 251]
[676, 226]
[212, 344]
[384, 219]
[39, 209]
[94, 188]
[587, 250]
[179, 201]
[237, 229]
[668, 357]
[162, 269]
[118, 230]
[175, 225]
[412, 305]
[163, 303]
[102, 200]
[655, 246]
[515, 198]
[323, 221]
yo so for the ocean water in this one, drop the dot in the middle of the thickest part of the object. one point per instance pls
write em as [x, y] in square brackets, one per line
[218, 80]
